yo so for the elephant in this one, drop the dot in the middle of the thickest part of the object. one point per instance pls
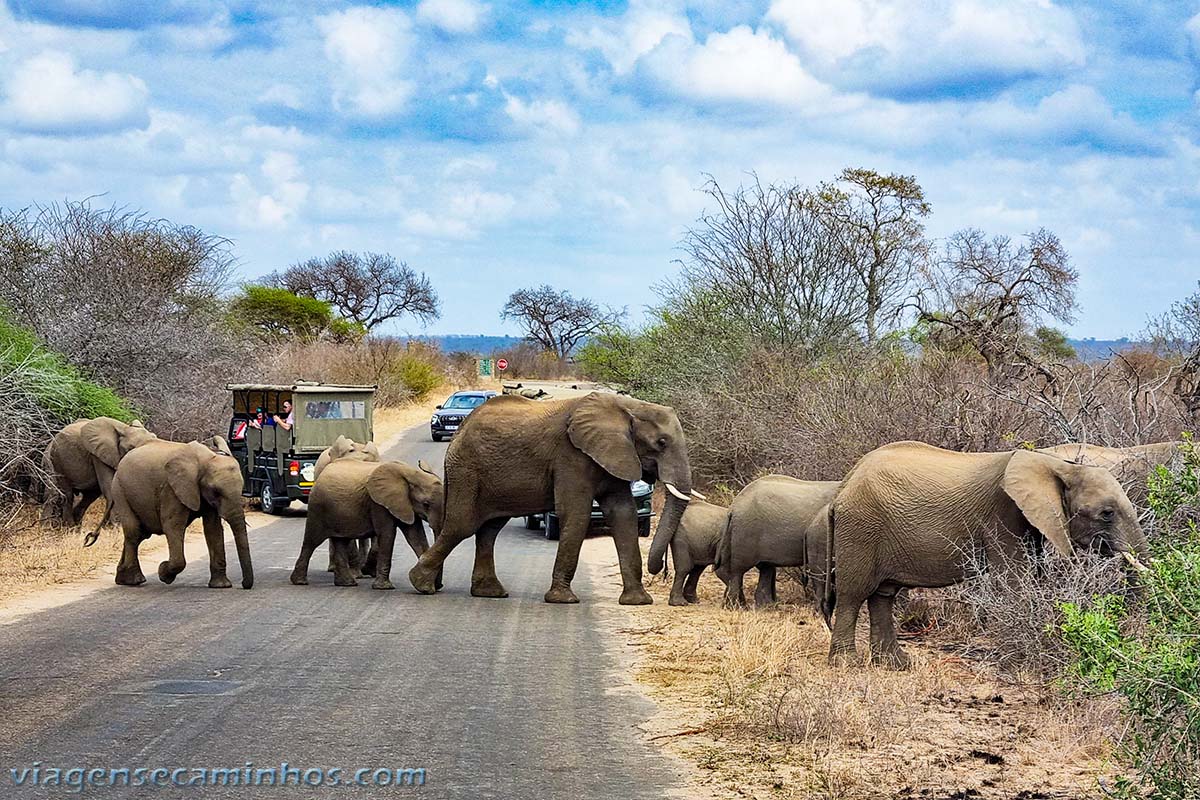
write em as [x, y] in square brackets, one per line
[82, 458]
[1131, 466]
[769, 528]
[912, 515]
[345, 448]
[162, 487]
[694, 547]
[358, 499]
[515, 457]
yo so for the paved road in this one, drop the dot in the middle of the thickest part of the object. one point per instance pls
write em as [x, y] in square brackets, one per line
[494, 698]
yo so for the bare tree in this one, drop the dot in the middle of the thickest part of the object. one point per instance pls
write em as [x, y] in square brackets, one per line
[367, 288]
[877, 223]
[767, 254]
[1176, 335]
[556, 320]
[990, 295]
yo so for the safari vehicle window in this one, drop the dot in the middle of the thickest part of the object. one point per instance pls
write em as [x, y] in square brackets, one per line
[335, 409]
[464, 401]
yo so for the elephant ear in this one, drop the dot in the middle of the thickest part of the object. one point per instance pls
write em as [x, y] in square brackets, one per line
[101, 437]
[1035, 483]
[340, 448]
[183, 475]
[602, 428]
[388, 486]
[218, 445]
[372, 450]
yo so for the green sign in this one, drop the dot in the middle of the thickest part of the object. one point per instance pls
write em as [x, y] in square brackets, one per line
[486, 368]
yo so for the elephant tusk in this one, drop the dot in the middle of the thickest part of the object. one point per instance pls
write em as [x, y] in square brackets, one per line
[1132, 561]
[698, 496]
[685, 498]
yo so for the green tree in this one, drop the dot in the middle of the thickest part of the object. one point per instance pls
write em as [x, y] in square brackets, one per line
[278, 312]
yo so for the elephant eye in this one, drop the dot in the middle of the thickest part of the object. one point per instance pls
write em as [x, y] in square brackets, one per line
[662, 441]
[1107, 514]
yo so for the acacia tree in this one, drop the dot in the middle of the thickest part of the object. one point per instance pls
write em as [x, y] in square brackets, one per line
[556, 320]
[991, 295]
[876, 221]
[766, 253]
[367, 288]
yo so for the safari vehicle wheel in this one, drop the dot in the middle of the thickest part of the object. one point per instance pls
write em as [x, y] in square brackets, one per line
[533, 522]
[552, 528]
[266, 496]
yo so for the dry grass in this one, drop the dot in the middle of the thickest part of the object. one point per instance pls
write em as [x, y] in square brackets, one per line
[748, 699]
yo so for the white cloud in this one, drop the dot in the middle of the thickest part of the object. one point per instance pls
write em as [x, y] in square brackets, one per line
[632, 35]
[453, 16]
[913, 48]
[282, 199]
[49, 94]
[741, 65]
[370, 49]
[542, 115]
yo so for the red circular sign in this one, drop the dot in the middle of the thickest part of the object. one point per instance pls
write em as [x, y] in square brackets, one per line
[502, 364]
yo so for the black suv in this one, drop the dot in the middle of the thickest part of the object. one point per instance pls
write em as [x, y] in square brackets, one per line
[450, 414]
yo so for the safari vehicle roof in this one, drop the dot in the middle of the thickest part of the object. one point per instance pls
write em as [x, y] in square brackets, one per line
[300, 387]
[323, 412]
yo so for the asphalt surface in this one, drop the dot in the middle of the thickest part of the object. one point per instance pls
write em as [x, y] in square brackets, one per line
[493, 698]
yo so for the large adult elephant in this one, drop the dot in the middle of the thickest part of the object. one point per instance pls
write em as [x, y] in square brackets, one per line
[82, 458]
[769, 527]
[515, 457]
[353, 501]
[911, 515]
[1131, 466]
[162, 487]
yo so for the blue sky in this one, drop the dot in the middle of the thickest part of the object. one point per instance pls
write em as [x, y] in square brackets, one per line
[496, 145]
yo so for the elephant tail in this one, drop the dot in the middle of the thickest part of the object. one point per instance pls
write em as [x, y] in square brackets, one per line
[830, 596]
[725, 545]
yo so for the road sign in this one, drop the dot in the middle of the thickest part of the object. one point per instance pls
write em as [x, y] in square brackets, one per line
[485, 367]
[502, 364]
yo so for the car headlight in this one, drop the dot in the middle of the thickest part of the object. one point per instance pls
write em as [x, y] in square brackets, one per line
[639, 487]
[433, 420]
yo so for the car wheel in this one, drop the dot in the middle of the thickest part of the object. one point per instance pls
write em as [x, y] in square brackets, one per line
[534, 522]
[437, 437]
[552, 528]
[643, 526]
[266, 496]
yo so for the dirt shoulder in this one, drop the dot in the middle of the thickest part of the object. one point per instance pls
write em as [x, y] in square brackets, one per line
[746, 701]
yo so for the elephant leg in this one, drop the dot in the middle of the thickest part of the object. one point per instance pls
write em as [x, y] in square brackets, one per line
[885, 647]
[168, 570]
[314, 535]
[484, 582]
[415, 535]
[575, 515]
[764, 593]
[845, 619]
[384, 526]
[342, 574]
[735, 594]
[621, 515]
[689, 588]
[129, 569]
[682, 563]
[80, 507]
[368, 551]
[426, 574]
[214, 537]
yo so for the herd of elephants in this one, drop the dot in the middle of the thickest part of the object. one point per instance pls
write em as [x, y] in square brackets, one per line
[907, 515]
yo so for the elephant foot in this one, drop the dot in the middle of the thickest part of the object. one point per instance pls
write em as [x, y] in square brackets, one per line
[488, 588]
[635, 596]
[895, 659]
[130, 577]
[843, 657]
[299, 578]
[677, 601]
[422, 580]
[691, 598]
[382, 583]
[165, 574]
[347, 582]
[219, 582]
[561, 594]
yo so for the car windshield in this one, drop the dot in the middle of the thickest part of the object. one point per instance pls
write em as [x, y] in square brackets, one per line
[464, 401]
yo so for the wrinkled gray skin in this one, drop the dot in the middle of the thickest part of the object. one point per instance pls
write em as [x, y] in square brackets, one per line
[82, 459]
[361, 552]
[769, 528]
[162, 487]
[913, 515]
[1131, 466]
[354, 500]
[515, 457]
[694, 547]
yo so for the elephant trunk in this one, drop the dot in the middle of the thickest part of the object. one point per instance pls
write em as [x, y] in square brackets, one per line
[242, 542]
[668, 524]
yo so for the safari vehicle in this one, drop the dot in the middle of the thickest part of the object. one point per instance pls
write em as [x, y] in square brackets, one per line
[642, 493]
[277, 464]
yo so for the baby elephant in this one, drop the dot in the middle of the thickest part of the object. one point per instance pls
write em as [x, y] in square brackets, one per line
[769, 527]
[694, 547]
[359, 499]
[348, 449]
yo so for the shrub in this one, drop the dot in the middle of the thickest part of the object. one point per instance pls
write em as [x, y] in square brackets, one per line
[402, 371]
[417, 375]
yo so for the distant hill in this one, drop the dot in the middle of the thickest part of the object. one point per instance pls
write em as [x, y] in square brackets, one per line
[478, 345]
[1090, 349]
